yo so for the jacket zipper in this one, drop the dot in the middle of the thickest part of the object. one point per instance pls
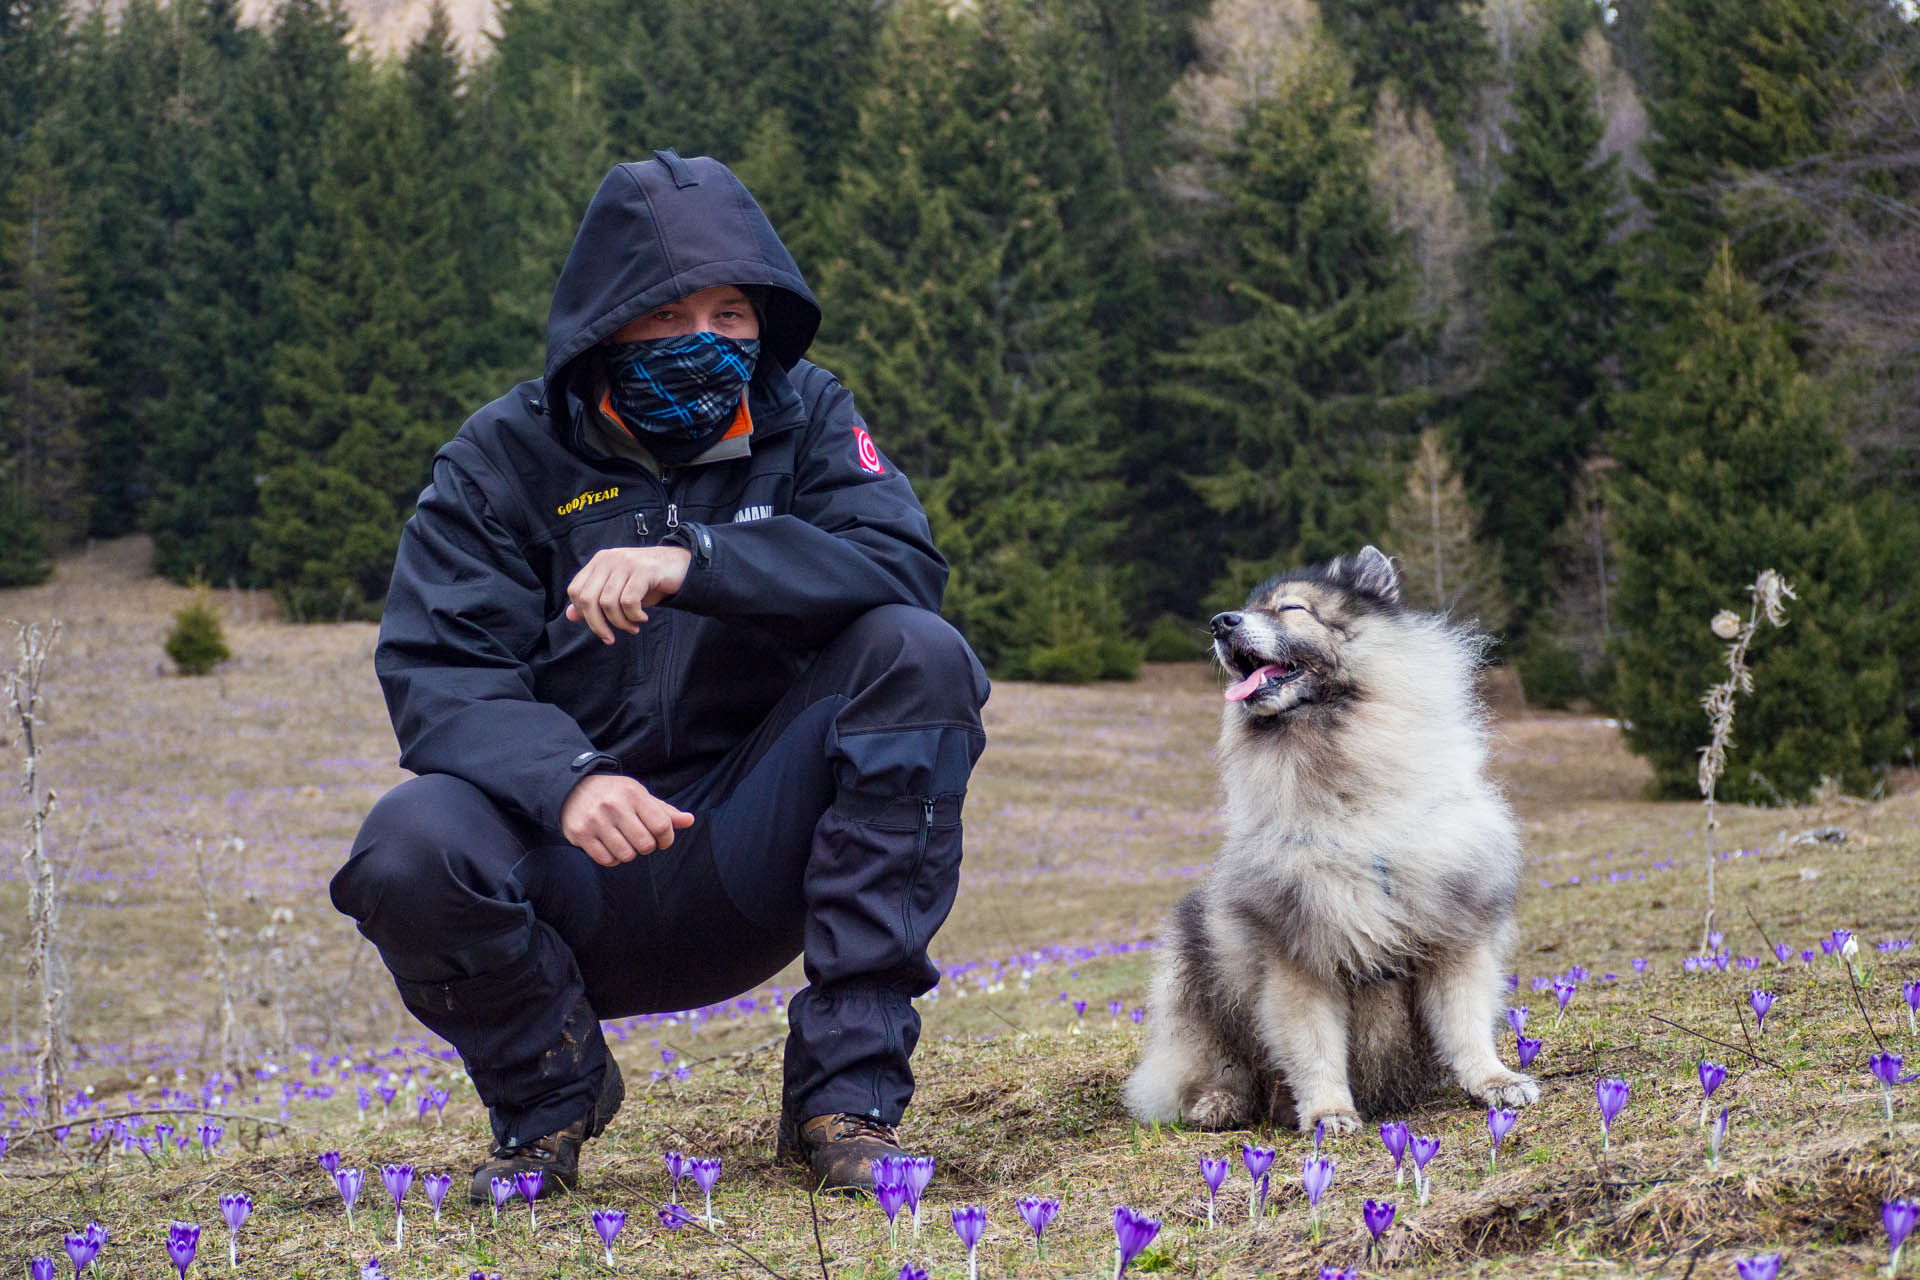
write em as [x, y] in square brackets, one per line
[666, 646]
[913, 876]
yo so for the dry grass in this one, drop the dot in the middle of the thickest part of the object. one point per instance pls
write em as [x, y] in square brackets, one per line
[1091, 812]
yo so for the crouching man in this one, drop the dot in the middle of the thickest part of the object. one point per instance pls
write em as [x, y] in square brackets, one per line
[663, 649]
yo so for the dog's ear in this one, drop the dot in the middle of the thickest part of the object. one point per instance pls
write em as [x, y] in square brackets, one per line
[1373, 573]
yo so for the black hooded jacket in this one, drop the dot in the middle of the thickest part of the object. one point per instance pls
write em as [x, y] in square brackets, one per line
[485, 677]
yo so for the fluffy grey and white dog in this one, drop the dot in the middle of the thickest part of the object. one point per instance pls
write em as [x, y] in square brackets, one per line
[1347, 953]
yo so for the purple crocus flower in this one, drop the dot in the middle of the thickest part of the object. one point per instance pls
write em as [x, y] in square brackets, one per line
[502, 1189]
[84, 1246]
[1134, 1232]
[676, 1170]
[398, 1179]
[1422, 1148]
[1316, 1176]
[40, 1267]
[919, 1174]
[1639, 965]
[608, 1223]
[1339, 1273]
[349, 1181]
[673, 1217]
[1764, 1266]
[1886, 1069]
[1912, 992]
[1213, 1172]
[329, 1161]
[1378, 1215]
[183, 1241]
[1517, 1019]
[1258, 1161]
[210, 1135]
[1782, 953]
[706, 1172]
[910, 1272]
[1898, 1217]
[1712, 1076]
[1843, 943]
[1806, 957]
[234, 1207]
[1393, 1136]
[1528, 1048]
[436, 1185]
[969, 1222]
[1562, 995]
[892, 1194]
[1612, 1094]
[1762, 1002]
[370, 1270]
[1500, 1122]
[1039, 1211]
[527, 1183]
[1715, 1133]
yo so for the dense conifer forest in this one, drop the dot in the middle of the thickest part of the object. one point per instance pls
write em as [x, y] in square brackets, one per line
[1586, 313]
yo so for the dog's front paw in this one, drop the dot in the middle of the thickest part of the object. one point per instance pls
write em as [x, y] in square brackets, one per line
[1218, 1109]
[1504, 1088]
[1336, 1120]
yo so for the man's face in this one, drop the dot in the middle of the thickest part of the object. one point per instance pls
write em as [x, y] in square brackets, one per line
[722, 309]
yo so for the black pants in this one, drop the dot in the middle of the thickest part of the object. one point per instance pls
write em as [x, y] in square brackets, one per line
[832, 832]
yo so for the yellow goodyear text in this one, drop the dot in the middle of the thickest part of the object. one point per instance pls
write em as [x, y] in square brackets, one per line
[586, 500]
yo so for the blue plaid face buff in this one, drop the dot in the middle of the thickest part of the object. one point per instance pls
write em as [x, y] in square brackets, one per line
[679, 388]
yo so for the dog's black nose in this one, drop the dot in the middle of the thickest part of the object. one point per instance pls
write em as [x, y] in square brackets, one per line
[1225, 622]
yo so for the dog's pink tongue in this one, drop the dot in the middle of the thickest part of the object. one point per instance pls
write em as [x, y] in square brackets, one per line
[1244, 689]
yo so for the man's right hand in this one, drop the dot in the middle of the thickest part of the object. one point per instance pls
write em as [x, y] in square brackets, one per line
[615, 819]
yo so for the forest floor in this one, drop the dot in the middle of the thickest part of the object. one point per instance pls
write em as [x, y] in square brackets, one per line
[1093, 809]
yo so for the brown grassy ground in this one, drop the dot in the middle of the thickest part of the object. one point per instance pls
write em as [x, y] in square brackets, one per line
[1090, 812]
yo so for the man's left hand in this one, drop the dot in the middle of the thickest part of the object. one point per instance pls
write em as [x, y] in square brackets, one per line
[615, 588]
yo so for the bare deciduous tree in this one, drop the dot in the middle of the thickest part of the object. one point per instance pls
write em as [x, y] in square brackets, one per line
[1430, 532]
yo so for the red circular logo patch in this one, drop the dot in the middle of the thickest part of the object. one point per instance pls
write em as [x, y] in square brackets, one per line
[869, 456]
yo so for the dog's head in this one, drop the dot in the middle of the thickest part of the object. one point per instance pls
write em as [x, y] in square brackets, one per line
[1288, 648]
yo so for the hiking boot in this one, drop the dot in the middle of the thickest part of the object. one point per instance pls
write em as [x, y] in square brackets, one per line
[838, 1149]
[556, 1157]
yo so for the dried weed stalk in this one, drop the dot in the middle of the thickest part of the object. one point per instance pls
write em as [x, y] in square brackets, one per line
[1768, 595]
[43, 895]
[232, 1050]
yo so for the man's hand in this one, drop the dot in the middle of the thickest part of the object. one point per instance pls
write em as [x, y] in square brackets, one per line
[614, 589]
[615, 819]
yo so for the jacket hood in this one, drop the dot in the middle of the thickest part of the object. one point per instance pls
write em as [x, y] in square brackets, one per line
[661, 229]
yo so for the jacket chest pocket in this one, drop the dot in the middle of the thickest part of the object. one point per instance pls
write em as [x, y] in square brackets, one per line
[572, 667]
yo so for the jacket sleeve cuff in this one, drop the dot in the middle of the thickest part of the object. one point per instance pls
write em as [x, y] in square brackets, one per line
[586, 762]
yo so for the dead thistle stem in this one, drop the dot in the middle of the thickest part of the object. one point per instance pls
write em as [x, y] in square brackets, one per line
[1768, 594]
[43, 897]
[230, 1053]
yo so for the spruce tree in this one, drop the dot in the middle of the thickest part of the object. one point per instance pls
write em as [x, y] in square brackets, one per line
[132, 119]
[46, 410]
[1544, 407]
[368, 382]
[270, 104]
[35, 36]
[1729, 465]
[954, 313]
[1434, 52]
[1737, 87]
[1292, 401]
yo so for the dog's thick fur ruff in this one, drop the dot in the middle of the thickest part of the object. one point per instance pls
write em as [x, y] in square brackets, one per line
[1347, 952]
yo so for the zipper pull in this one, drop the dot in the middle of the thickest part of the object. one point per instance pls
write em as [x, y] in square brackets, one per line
[673, 516]
[640, 523]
